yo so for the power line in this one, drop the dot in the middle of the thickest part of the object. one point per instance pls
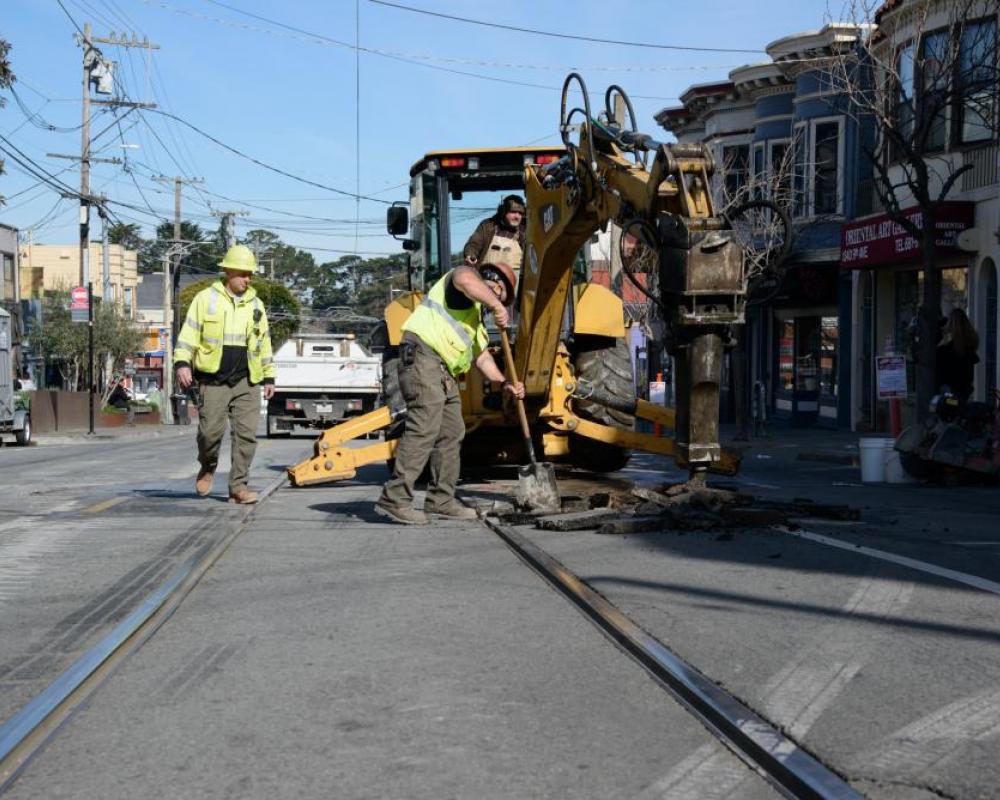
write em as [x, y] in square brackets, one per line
[555, 35]
[264, 164]
[75, 23]
[406, 58]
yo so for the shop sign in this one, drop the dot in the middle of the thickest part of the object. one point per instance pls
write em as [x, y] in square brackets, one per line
[658, 392]
[891, 376]
[879, 240]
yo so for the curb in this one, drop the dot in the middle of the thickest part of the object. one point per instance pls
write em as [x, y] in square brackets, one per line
[52, 439]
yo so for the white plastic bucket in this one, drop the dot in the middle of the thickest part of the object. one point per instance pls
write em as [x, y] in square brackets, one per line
[873, 458]
[894, 472]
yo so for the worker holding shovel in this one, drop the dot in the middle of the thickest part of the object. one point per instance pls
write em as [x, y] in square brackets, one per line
[442, 339]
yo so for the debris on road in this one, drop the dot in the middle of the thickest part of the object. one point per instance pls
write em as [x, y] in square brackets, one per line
[677, 507]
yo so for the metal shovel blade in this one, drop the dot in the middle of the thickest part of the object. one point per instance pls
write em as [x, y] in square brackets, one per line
[536, 487]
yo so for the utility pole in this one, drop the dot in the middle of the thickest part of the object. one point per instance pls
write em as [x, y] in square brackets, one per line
[166, 408]
[228, 217]
[90, 56]
[170, 284]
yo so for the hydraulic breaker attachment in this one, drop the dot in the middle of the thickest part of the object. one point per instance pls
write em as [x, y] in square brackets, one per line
[333, 460]
[727, 463]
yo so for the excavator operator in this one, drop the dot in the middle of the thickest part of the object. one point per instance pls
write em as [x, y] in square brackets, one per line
[442, 339]
[499, 239]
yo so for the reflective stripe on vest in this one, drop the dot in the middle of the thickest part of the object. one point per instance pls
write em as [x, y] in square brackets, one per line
[455, 334]
[456, 326]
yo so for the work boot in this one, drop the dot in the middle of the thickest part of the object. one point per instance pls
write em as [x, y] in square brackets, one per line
[402, 514]
[452, 509]
[203, 484]
[244, 497]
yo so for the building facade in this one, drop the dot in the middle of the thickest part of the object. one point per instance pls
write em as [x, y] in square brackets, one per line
[50, 267]
[944, 106]
[779, 131]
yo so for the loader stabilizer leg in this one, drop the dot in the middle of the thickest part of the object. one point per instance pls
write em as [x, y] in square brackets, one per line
[333, 461]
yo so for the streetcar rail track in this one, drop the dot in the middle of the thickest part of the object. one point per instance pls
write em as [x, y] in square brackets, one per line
[24, 734]
[792, 770]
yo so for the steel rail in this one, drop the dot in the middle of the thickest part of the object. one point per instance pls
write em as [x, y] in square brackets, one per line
[25, 733]
[790, 769]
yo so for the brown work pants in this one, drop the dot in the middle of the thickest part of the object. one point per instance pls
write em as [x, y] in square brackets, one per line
[434, 428]
[239, 406]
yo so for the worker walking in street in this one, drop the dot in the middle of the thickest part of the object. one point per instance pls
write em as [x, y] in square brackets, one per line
[442, 339]
[499, 239]
[224, 348]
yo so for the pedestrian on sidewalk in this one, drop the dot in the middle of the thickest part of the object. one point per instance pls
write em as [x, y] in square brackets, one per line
[442, 339]
[224, 348]
[957, 356]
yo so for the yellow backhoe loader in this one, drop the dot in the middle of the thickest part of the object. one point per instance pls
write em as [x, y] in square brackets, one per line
[570, 347]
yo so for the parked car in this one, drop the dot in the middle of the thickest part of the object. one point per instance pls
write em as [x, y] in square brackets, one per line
[15, 420]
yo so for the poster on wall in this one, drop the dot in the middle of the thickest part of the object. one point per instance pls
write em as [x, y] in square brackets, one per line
[891, 376]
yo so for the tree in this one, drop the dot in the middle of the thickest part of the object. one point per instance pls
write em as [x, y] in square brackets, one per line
[295, 268]
[6, 81]
[365, 285]
[282, 307]
[128, 235]
[923, 85]
[65, 343]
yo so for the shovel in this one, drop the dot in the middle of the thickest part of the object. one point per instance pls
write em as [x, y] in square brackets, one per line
[536, 483]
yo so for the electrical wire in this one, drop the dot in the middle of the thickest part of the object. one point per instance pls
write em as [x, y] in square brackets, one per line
[66, 12]
[264, 164]
[552, 34]
[408, 58]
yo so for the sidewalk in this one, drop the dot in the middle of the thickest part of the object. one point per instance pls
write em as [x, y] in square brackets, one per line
[104, 435]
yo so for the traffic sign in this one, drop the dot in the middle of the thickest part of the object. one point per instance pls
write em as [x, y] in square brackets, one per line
[79, 304]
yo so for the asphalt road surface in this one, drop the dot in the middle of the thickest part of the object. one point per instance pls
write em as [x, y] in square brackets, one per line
[329, 654]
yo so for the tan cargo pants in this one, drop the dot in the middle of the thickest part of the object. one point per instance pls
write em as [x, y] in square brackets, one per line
[434, 428]
[239, 406]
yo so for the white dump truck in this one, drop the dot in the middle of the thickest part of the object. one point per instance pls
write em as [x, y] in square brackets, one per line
[321, 380]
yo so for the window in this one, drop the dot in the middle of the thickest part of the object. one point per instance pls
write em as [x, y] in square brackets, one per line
[827, 168]
[735, 168]
[800, 208]
[781, 173]
[904, 113]
[760, 177]
[933, 100]
[817, 179]
[976, 82]
[7, 288]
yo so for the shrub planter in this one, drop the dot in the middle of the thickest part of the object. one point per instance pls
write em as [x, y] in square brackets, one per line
[111, 419]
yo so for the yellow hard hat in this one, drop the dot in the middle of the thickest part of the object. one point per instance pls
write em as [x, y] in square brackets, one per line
[239, 257]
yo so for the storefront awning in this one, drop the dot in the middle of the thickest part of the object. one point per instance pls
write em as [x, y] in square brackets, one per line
[879, 241]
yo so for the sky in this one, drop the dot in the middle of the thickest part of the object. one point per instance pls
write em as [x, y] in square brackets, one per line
[285, 84]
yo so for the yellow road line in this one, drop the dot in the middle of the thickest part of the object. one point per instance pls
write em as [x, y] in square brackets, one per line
[104, 505]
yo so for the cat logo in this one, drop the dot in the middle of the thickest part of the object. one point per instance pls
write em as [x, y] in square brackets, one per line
[549, 217]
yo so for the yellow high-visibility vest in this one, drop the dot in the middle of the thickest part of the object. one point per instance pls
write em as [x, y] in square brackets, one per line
[215, 319]
[456, 334]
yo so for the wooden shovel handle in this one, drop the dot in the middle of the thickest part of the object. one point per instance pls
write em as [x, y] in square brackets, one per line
[511, 372]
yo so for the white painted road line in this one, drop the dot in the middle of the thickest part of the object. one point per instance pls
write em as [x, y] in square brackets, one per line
[922, 566]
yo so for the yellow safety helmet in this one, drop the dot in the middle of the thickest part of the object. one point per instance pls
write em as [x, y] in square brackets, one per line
[240, 258]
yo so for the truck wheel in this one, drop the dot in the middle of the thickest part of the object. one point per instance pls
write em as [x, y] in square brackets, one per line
[604, 362]
[23, 436]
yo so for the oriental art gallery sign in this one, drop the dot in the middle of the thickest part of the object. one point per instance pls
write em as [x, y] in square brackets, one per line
[879, 240]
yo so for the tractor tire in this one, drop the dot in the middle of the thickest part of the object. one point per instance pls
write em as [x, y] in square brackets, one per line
[607, 363]
[392, 395]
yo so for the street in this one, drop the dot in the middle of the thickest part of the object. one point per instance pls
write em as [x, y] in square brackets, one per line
[327, 653]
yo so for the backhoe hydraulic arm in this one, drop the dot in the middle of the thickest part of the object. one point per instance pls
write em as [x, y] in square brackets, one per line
[666, 207]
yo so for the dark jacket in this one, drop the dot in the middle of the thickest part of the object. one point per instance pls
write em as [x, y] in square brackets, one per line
[954, 370]
[479, 242]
